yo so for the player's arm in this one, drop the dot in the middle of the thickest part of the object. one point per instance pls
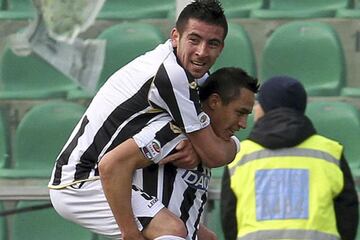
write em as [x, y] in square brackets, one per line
[207, 146]
[213, 150]
[116, 172]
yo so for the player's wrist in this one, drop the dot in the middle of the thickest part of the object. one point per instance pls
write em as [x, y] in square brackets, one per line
[237, 143]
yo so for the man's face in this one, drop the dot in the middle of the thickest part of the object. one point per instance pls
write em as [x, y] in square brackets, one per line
[198, 46]
[226, 119]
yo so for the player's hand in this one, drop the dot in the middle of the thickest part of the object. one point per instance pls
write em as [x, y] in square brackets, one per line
[185, 157]
[206, 234]
[135, 235]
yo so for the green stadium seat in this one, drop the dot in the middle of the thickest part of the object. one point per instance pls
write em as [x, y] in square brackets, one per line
[139, 9]
[31, 77]
[309, 51]
[285, 9]
[339, 121]
[126, 41]
[100, 237]
[39, 138]
[212, 212]
[3, 226]
[350, 92]
[17, 10]
[213, 221]
[238, 51]
[4, 140]
[240, 9]
[353, 10]
[45, 224]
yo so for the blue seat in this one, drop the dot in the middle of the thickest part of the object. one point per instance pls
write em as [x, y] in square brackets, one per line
[309, 51]
[339, 121]
[45, 224]
[238, 51]
[284, 9]
[40, 136]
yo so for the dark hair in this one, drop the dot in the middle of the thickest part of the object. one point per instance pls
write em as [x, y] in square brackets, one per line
[209, 11]
[227, 82]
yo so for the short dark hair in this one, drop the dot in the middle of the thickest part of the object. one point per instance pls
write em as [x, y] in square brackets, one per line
[209, 11]
[227, 82]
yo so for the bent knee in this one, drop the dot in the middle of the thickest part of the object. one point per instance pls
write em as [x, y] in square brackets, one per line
[165, 223]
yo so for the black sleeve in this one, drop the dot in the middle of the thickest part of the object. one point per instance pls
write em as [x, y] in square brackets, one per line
[228, 208]
[346, 205]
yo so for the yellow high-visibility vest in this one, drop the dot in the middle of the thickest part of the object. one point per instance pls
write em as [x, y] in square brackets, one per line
[288, 192]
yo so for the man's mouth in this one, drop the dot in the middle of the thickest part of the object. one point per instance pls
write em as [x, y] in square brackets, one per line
[198, 63]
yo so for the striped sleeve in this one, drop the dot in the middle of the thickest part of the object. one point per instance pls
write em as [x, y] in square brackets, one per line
[176, 92]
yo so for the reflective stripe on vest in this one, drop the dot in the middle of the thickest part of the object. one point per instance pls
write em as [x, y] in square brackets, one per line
[288, 234]
[285, 152]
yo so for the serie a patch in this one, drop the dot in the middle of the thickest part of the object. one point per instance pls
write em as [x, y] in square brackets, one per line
[152, 150]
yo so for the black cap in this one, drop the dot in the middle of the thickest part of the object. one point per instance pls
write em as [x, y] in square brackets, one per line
[282, 91]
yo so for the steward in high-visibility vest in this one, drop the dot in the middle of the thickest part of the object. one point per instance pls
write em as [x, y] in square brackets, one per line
[287, 182]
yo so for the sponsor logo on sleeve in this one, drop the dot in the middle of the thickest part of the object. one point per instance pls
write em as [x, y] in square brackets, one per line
[204, 119]
[152, 150]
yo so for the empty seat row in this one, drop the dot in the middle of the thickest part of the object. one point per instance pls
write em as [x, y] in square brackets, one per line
[308, 50]
[38, 220]
[39, 138]
[263, 9]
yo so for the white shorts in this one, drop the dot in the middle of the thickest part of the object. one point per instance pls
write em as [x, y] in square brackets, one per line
[88, 207]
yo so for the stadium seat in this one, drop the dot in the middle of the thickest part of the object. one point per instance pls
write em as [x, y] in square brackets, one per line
[240, 9]
[45, 224]
[284, 9]
[339, 121]
[17, 10]
[3, 141]
[350, 92]
[139, 9]
[3, 227]
[238, 51]
[40, 136]
[212, 212]
[353, 10]
[213, 221]
[124, 42]
[100, 237]
[30, 77]
[309, 51]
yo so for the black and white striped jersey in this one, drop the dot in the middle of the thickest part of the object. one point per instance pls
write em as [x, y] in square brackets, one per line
[183, 192]
[139, 93]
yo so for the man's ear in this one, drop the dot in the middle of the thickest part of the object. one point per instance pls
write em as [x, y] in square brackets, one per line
[214, 101]
[175, 37]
